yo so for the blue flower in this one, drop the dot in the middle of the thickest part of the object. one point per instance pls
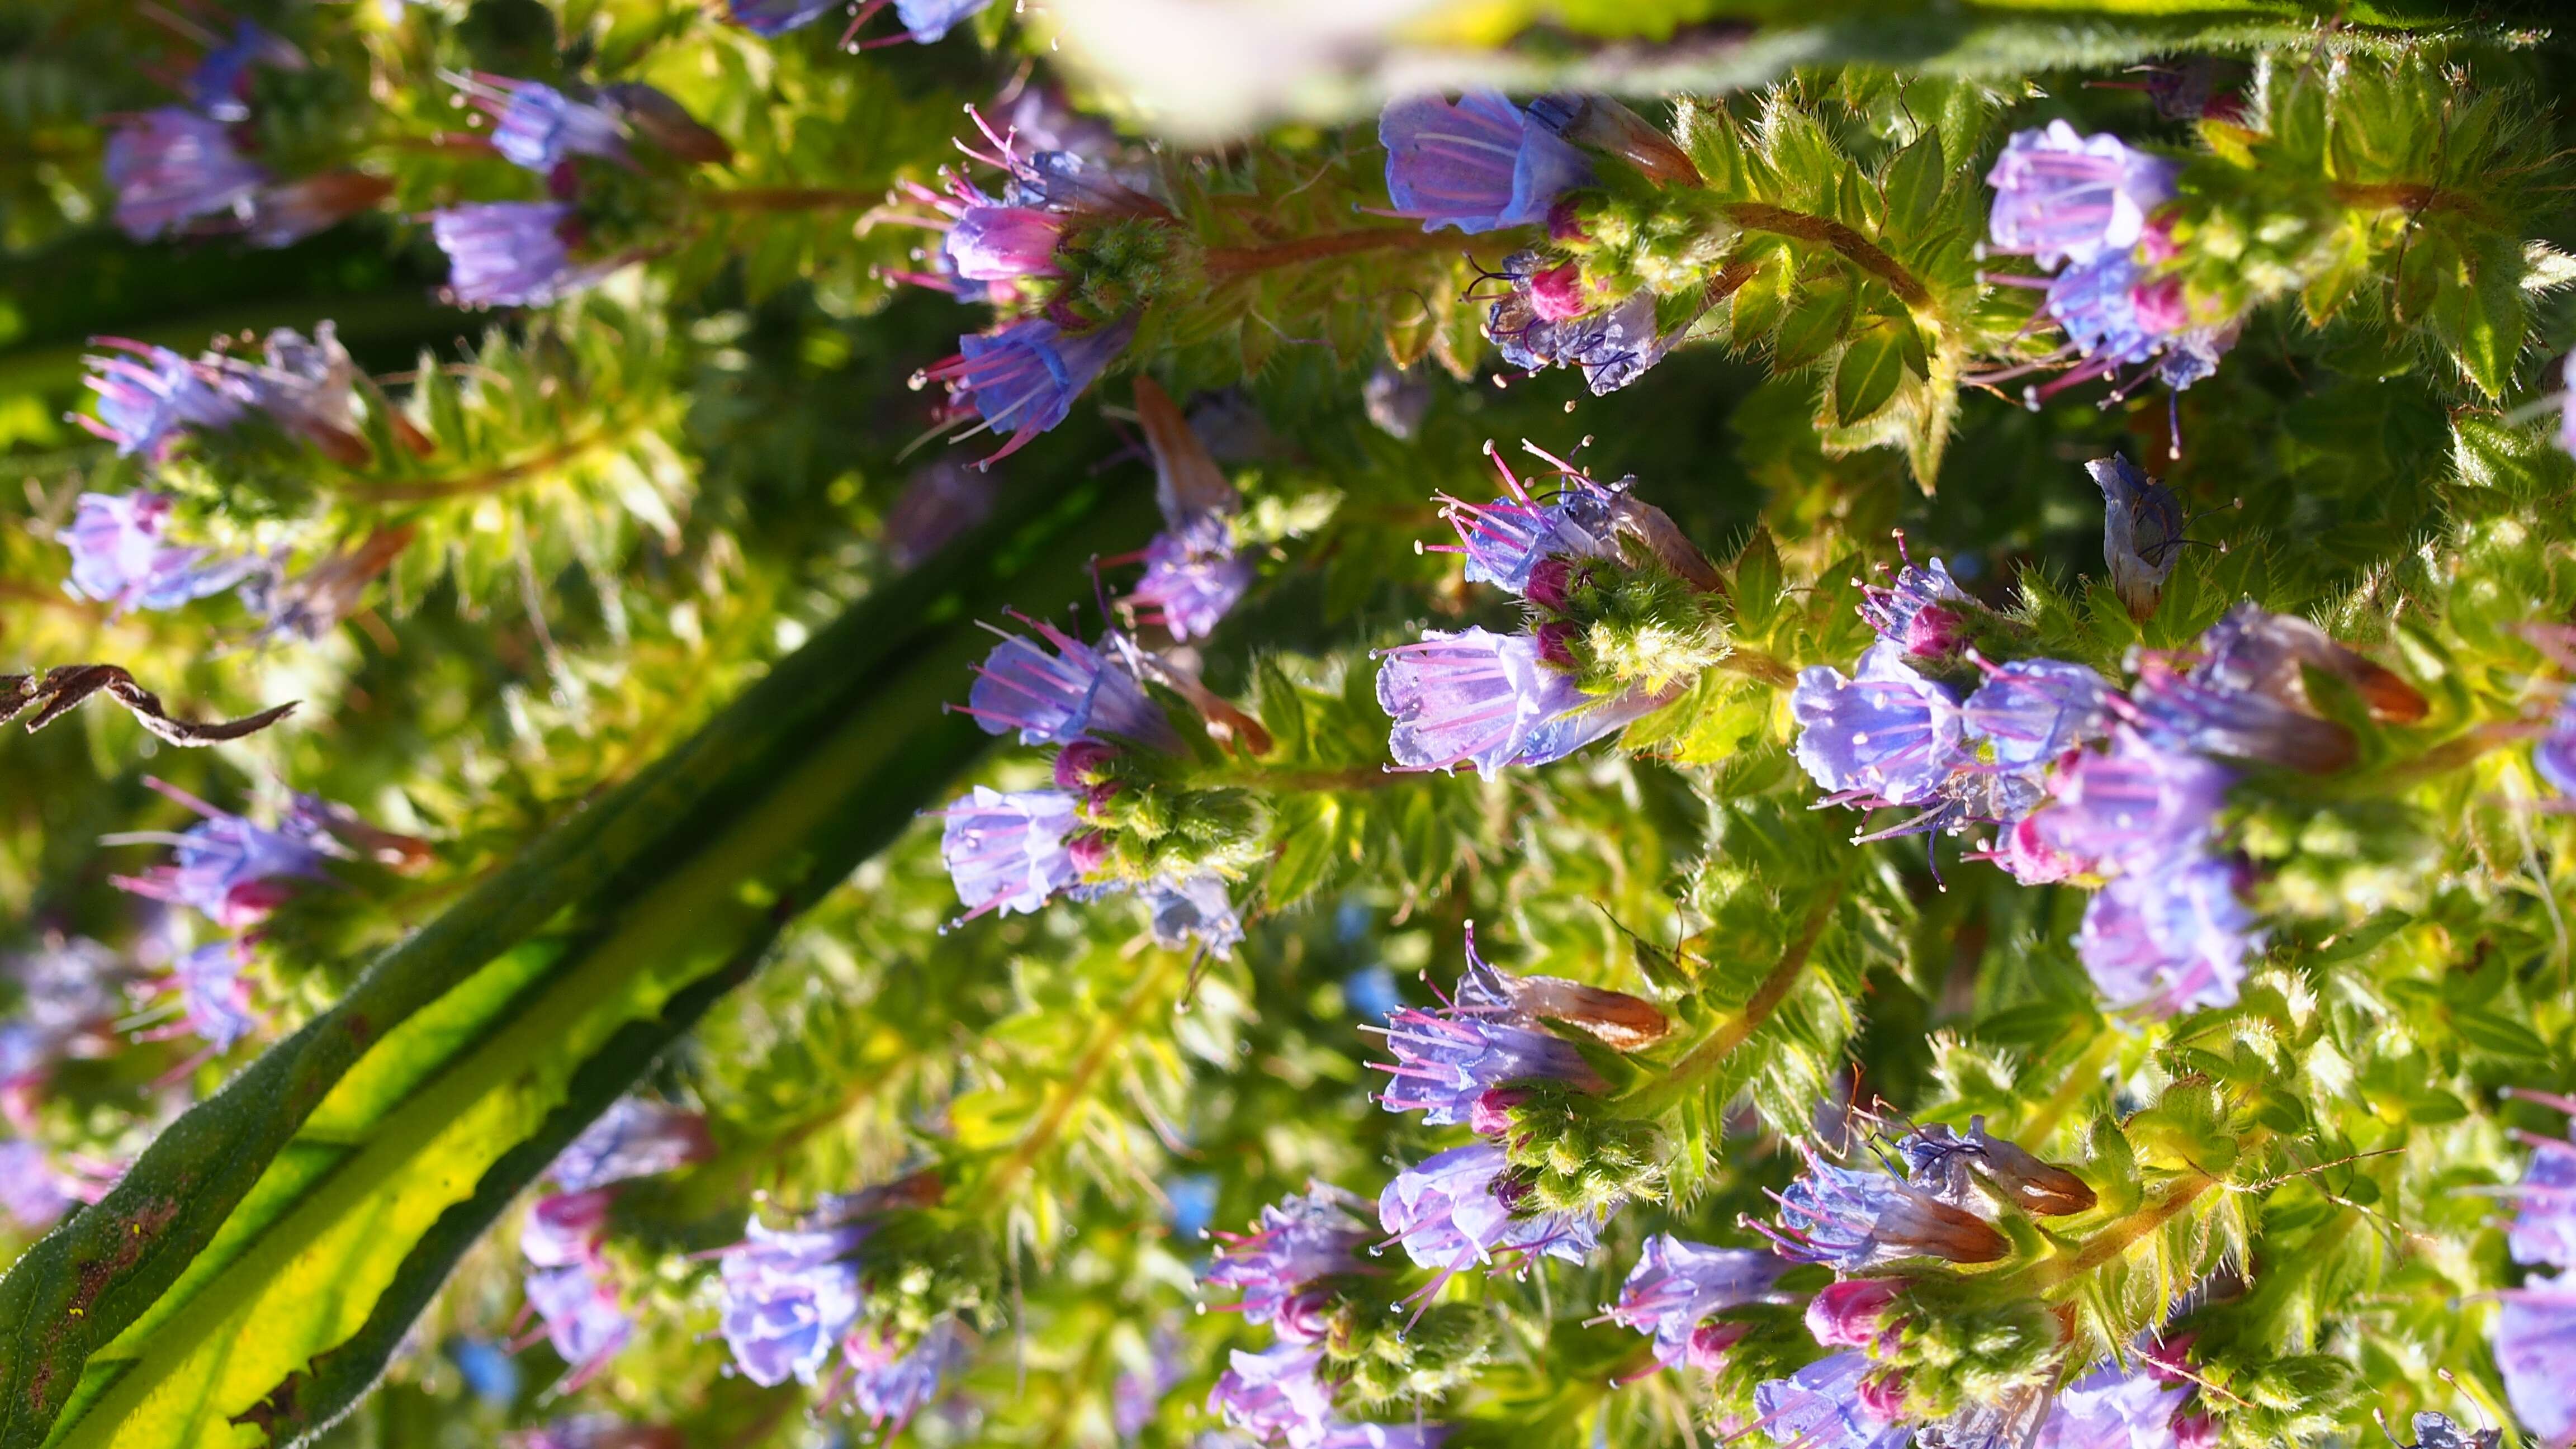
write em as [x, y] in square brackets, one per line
[2171, 937]
[2544, 1222]
[1277, 1394]
[220, 85]
[1022, 379]
[1478, 164]
[232, 870]
[1447, 1060]
[633, 1138]
[1196, 909]
[214, 1000]
[1296, 1241]
[1505, 540]
[789, 1295]
[1008, 852]
[1831, 1404]
[147, 400]
[889, 1384]
[2112, 1408]
[929, 20]
[585, 1320]
[1921, 611]
[508, 253]
[539, 127]
[119, 558]
[1677, 1284]
[2067, 197]
[1449, 1212]
[1193, 578]
[1886, 734]
[2535, 1341]
[1613, 345]
[1077, 693]
[1853, 1220]
[2134, 807]
[1491, 701]
[777, 17]
[32, 1192]
[170, 166]
[2031, 711]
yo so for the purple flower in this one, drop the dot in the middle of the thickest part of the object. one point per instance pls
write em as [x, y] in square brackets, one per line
[1447, 1060]
[1196, 909]
[1007, 852]
[2113, 1409]
[1449, 1215]
[1478, 164]
[1296, 1241]
[1505, 540]
[1193, 578]
[1491, 701]
[1078, 693]
[1921, 612]
[777, 17]
[889, 1386]
[789, 1295]
[1887, 733]
[2544, 1223]
[929, 20]
[538, 127]
[214, 1000]
[220, 85]
[170, 166]
[2066, 197]
[1138, 1395]
[1345, 1434]
[287, 213]
[591, 1431]
[1613, 345]
[66, 999]
[144, 405]
[1022, 378]
[2114, 316]
[508, 253]
[1276, 1394]
[583, 1317]
[1677, 1284]
[1004, 243]
[2031, 711]
[1855, 1220]
[633, 1138]
[2535, 1341]
[2134, 807]
[1947, 1164]
[118, 557]
[32, 1193]
[233, 871]
[2170, 937]
[1826, 1405]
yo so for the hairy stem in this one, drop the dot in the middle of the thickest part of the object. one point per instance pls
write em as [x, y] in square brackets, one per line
[1225, 264]
[1705, 1058]
[1859, 250]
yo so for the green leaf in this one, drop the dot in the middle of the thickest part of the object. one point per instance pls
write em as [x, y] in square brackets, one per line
[2496, 1034]
[1870, 369]
[263, 1256]
[1913, 185]
[1815, 325]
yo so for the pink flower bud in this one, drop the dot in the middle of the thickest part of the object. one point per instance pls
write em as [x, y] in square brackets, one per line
[1090, 851]
[1710, 1341]
[1556, 643]
[1854, 1313]
[1082, 763]
[1491, 1114]
[1551, 582]
[1557, 294]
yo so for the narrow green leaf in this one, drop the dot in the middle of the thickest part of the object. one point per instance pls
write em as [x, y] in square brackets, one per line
[1869, 371]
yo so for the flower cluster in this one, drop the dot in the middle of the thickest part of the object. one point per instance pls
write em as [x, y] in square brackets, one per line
[527, 253]
[1616, 628]
[2121, 789]
[572, 1285]
[2086, 208]
[183, 168]
[1287, 1270]
[235, 872]
[796, 1298]
[1014, 250]
[1124, 813]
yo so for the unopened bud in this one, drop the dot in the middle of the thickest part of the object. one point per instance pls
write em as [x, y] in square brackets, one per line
[1854, 1313]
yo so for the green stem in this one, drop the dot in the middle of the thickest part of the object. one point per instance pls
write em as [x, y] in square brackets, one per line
[1712, 1052]
[1859, 250]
